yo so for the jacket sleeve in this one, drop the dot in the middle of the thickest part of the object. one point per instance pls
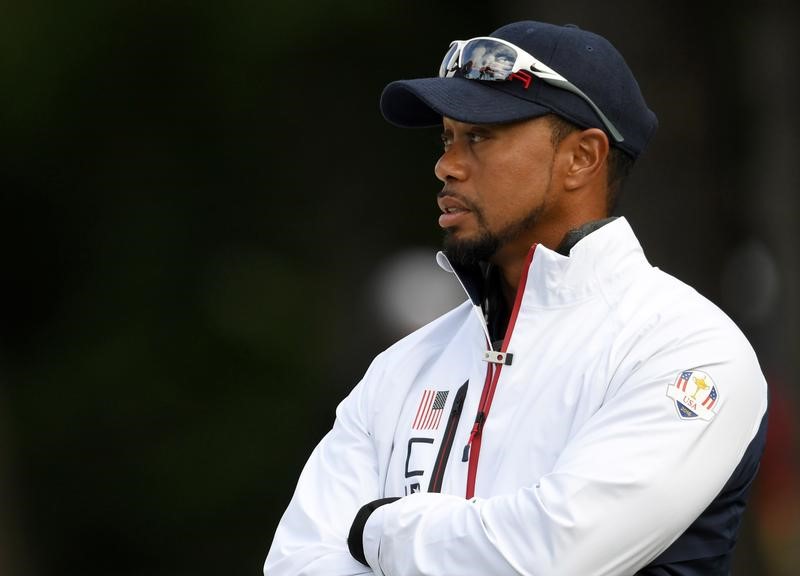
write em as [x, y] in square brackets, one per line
[340, 475]
[628, 483]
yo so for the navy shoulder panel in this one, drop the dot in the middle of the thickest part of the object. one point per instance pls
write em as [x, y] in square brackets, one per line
[706, 547]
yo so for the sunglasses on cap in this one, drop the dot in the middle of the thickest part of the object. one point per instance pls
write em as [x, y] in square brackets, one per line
[487, 58]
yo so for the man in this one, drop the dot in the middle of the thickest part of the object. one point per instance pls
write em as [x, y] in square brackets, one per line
[582, 413]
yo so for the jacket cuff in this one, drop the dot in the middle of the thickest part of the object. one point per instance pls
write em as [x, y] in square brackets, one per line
[355, 540]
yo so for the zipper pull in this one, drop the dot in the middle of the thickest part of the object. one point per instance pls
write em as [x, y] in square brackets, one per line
[476, 429]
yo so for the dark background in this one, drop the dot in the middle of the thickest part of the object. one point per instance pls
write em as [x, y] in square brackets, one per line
[203, 213]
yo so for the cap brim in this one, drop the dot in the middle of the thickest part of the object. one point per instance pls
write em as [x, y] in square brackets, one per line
[423, 102]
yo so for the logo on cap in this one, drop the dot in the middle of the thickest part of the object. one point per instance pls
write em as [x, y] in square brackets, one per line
[523, 76]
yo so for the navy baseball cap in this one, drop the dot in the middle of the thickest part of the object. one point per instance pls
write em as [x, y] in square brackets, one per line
[586, 60]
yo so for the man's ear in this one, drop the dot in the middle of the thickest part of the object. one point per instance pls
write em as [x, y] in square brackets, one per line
[588, 151]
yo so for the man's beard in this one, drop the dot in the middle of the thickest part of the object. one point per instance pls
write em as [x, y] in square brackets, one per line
[470, 252]
[483, 247]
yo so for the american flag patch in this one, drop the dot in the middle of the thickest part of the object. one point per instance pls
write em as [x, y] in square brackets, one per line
[429, 411]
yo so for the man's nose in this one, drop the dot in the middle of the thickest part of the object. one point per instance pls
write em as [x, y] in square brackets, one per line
[451, 165]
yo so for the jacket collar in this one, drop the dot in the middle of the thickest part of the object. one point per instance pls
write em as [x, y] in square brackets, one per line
[599, 260]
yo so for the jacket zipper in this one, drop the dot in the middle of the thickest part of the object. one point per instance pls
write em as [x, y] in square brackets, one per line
[473, 448]
[437, 476]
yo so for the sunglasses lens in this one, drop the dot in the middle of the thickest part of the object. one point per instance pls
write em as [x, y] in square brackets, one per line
[487, 60]
[449, 60]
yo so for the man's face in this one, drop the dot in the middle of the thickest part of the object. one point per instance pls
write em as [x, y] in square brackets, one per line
[498, 188]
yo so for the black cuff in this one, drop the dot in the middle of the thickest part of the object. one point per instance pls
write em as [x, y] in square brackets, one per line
[355, 540]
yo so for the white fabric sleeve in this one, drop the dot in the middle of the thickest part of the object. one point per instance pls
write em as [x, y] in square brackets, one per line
[629, 482]
[340, 476]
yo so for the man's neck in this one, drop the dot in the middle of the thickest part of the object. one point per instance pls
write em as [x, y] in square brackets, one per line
[511, 269]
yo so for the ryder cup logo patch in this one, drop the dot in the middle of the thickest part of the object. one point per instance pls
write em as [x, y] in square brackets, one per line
[695, 395]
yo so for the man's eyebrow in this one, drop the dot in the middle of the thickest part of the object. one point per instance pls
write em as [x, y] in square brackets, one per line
[475, 128]
[483, 128]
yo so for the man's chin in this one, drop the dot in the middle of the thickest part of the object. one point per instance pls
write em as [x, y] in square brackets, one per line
[469, 251]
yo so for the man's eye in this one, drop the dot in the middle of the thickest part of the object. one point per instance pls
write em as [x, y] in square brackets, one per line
[446, 141]
[473, 137]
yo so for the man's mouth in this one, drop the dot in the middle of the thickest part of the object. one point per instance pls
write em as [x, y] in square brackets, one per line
[453, 210]
[452, 217]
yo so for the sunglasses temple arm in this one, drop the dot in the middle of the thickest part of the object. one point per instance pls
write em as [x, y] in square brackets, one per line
[570, 87]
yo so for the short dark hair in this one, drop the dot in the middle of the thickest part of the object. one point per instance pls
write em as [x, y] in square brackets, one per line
[619, 162]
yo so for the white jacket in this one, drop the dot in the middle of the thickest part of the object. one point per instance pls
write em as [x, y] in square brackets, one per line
[628, 402]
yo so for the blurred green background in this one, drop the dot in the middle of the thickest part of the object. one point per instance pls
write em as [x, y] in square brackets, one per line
[208, 231]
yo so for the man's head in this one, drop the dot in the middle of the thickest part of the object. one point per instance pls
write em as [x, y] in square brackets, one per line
[558, 84]
[508, 186]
